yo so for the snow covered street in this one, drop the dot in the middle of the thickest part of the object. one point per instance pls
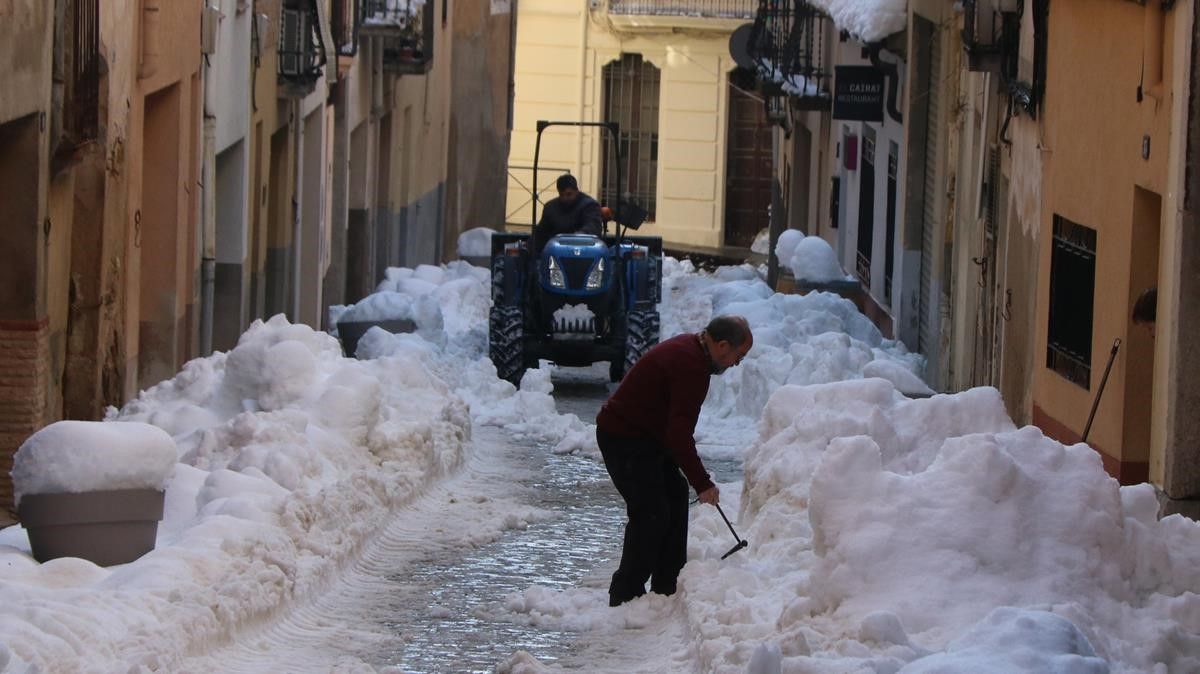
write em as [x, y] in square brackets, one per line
[408, 511]
[436, 590]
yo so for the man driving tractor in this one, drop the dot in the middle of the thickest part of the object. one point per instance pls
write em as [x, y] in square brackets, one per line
[571, 212]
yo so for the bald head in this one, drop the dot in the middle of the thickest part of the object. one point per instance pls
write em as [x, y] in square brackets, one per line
[732, 329]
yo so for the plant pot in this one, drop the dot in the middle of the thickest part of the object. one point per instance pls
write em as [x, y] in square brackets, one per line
[352, 331]
[103, 527]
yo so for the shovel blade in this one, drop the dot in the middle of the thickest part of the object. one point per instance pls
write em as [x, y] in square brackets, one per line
[739, 546]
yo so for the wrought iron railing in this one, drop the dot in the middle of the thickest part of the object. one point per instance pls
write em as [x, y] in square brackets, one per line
[81, 81]
[302, 52]
[788, 42]
[714, 9]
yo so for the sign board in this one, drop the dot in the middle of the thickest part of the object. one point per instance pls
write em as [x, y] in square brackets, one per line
[858, 93]
[501, 6]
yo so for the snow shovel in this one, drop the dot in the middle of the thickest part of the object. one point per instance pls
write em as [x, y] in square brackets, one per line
[740, 543]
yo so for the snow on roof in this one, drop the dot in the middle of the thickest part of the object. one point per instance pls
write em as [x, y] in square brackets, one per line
[868, 20]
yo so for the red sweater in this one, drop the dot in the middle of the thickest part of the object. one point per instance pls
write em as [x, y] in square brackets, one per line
[660, 399]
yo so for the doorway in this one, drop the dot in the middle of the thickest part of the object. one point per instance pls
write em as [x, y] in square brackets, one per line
[747, 167]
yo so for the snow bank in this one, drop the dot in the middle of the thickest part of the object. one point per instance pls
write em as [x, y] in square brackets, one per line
[476, 242]
[933, 535]
[798, 339]
[80, 456]
[290, 457]
[868, 20]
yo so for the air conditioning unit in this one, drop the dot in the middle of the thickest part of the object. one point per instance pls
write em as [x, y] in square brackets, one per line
[210, 21]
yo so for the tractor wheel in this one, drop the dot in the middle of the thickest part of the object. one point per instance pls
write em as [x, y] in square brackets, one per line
[641, 333]
[506, 343]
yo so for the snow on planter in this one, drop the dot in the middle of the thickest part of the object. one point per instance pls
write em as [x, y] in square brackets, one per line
[933, 535]
[81, 456]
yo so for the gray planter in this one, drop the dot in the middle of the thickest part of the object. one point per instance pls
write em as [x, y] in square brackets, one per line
[352, 331]
[103, 527]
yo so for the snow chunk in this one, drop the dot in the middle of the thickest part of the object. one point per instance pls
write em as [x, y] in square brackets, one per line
[1016, 640]
[762, 243]
[82, 456]
[814, 260]
[785, 247]
[868, 20]
[476, 242]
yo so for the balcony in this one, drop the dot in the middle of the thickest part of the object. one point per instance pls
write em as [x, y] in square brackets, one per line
[80, 62]
[302, 50]
[789, 44]
[404, 31]
[707, 15]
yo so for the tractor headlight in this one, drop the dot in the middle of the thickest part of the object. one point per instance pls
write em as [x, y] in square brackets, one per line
[556, 276]
[596, 276]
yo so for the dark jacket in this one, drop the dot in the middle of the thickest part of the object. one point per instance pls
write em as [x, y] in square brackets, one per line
[583, 216]
[659, 399]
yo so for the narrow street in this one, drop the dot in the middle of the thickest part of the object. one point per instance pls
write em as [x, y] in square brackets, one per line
[429, 593]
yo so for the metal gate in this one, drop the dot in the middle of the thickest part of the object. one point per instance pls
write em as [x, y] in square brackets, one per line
[631, 99]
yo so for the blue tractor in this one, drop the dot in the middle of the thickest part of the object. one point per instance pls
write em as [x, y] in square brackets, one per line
[585, 299]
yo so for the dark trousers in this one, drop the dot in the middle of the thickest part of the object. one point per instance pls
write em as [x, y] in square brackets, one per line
[656, 502]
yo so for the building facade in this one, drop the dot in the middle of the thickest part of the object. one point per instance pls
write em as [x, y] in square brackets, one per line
[1038, 186]
[177, 170]
[695, 143]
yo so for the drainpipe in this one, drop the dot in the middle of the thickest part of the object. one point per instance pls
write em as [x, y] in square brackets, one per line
[583, 30]
[208, 206]
[298, 180]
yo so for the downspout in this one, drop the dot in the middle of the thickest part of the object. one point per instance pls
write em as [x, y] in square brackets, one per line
[297, 190]
[583, 31]
[208, 205]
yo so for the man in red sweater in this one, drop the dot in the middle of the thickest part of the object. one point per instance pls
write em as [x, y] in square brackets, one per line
[645, 432]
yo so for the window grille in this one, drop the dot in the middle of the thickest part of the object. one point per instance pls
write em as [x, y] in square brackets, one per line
[631, 99]
[1072, 294]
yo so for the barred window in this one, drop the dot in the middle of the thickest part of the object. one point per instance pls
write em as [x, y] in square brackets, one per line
[631, 99]
[1072, 293]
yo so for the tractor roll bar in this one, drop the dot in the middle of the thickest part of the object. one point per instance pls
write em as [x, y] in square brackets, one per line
[613, 128]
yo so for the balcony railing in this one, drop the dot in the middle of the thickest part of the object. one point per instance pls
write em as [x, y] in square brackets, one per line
[709, 9]
[404, 30]
[81, 80]
[302, 50]
[788, 42]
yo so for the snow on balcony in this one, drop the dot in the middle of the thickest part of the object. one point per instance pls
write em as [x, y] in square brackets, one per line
[867, 20]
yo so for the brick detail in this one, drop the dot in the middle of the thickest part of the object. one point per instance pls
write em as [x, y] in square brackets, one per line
[24, 375]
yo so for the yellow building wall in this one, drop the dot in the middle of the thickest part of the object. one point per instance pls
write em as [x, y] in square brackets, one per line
[1092, 137]
[562, 49]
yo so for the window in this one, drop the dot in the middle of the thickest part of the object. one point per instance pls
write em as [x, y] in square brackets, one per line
[631, 98]
[1072, 291]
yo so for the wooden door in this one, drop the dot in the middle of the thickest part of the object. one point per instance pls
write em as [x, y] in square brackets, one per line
[748, 170]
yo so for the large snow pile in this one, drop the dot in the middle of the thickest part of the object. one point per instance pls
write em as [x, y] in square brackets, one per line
[290, 456]
[868, 20]
[798, 339]
[932, 536]
[81, 456]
